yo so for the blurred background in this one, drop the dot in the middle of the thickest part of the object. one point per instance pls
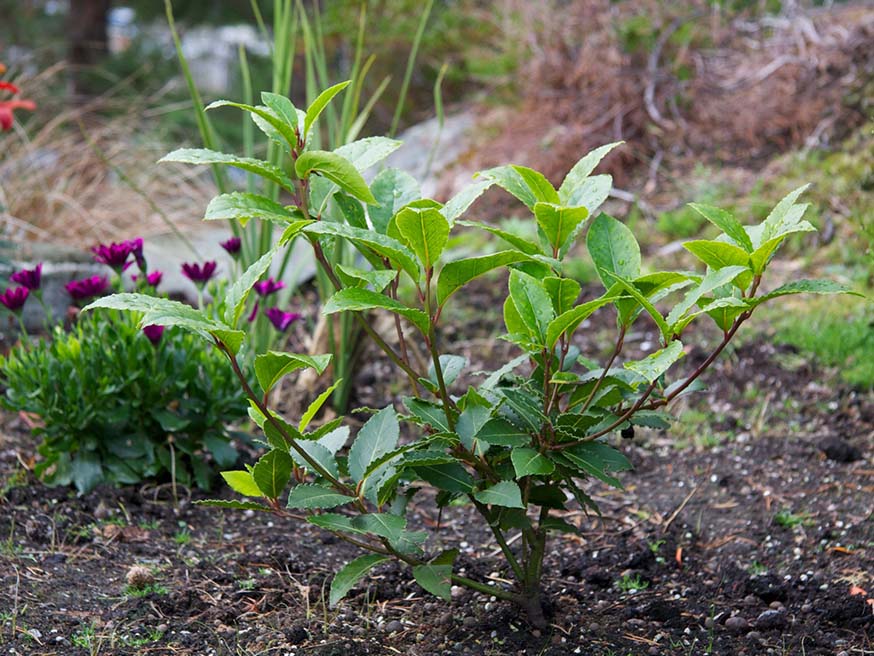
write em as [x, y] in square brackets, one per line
[729, 102]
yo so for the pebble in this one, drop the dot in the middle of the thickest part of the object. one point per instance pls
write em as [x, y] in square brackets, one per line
[754, 635]
[394, 627]
[446, 618]
[456, 591]
[751, 600]
[536, 633]
[776, 605]
[807, 608]
[594, 627]
[843, 653]
[709, 623]
[653, 651]
[469, 621]
[420, 637]
[771, 619]
[736, 623]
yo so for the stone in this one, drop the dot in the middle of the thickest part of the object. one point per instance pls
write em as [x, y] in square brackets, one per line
[469, 621]
[771, 619]
[394, 627]
[737, 624]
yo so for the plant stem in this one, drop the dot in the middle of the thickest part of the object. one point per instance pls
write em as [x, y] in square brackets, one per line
[316, 467]
[502, 542]
[492, 590]
[620, 341]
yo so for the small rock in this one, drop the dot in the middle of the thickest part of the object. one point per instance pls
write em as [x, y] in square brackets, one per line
[420, 637]
[839, 449]
[806, 608]
[456, 591]
[660, 611]
[536, 633]
[750, 600]
[162, 628]
[394, 627]
[469, 621]
[737, 624]
[653, 651]
[754, 635]
[776, 605]
[446, 618]
[709, 623]
[36, 633]
[768, 588]
[102, 511]
[598, 576]
[594, 627]
[771, 619]
[138, 577]
[843, 653]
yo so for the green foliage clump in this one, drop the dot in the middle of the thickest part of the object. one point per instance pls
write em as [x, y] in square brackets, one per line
[114, 408]
[516, 444]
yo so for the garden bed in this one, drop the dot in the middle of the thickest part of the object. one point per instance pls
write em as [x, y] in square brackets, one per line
[745, 539]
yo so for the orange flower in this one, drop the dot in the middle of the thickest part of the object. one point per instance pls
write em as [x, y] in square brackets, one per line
[8, 106]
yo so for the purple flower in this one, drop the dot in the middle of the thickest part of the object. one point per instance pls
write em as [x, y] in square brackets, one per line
[153, 279]
[116, 255]
[254, 313]
[153, 332]
[137, 250]
[14, 298]
[232, 246]
[197, 274]
[87, 287]
[29, 278]
[281, 320]
[267, 287]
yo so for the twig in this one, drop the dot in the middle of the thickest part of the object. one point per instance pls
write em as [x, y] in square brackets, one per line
[676, 513]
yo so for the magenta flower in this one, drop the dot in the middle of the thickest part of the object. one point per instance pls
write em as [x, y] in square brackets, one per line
[137, 251]
[116, 255]
[232, 246]
[153, 279]
[281, 320]
[14, 298]
[254, 313]
[267, 287]
[198, 274]
[29, 278]
[87, 287]
[153, 332]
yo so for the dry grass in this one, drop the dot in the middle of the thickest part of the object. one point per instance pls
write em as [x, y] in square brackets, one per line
[736, 92]
[89, 173]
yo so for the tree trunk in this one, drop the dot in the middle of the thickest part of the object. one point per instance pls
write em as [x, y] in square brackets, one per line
[88, 38]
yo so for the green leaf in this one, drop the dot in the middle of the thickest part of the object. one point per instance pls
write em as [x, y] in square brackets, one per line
[559, 223]
[393, 189]
[356, 299]
[597, 459]
[559, 525]
[430, 414]
[315, 450]
[570, 320]
[204, 156]
[564, 292]
[718, 255]
[238, 292]
[320, 103]
[233, 505]
[377, 436]
[455, 275]
[458, 204]
[282, 107]
[353, 210]
[242, 207]
[270, 367]
[504, 493]
[542, 189]
[272, 472]
[242, 482]
[713, 280]
[384, 525]
[450, 365]
[531, 302]
[613, 249]
[333, 522]
[426, 231]
[806, 287]
[315, 496]
[582, 170]
[727, 223]
[509, 179]
[347, 577]
[530, 462]
[500, 432]
[338, 170]
[629, 287]
[783, 216]
[351, 276]
[426, 457]
[655, 364]
[383, 245]
[266, 114]
[436, 576]
[451, 477]
[316, 405]
[518, 242]
[364, 153]
[86, 471]
[525, 407]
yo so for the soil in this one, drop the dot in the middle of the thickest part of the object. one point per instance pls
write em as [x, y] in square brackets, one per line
[748, 533]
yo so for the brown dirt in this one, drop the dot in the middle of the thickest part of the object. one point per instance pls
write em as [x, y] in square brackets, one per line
[698, 525]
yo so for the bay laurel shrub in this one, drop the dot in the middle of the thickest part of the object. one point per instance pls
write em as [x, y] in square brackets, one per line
[116, 404]
[525, 442]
